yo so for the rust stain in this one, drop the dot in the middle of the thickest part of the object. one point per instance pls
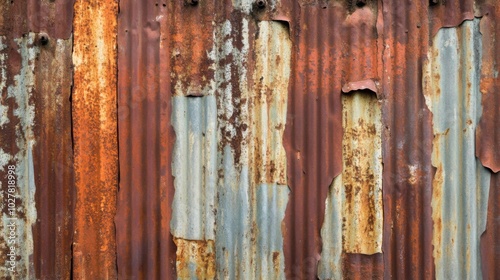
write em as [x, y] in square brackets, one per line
[195, 259]
[191, 38]
[53, 160]
[362, 174]
[487, 139]
[269, 99]
[95, 138]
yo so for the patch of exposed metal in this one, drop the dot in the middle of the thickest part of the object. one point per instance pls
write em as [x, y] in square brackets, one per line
[215, 156]
[461, 184]
[95, 138]
[354, 215]
[17, 184]
[18, 192]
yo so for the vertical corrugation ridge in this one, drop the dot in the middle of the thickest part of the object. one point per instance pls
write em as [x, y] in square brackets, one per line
[53, 17]
[407, 143]
[53, 161]
[95, 138]
[145, 245]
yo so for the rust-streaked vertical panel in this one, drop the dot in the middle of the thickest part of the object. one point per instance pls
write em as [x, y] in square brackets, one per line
[53, 160]
[407, 140]
[145, 247]
[324, 60]
[95, 138]
[487, 136]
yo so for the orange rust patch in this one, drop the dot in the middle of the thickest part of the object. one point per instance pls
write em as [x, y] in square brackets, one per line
[95, 138]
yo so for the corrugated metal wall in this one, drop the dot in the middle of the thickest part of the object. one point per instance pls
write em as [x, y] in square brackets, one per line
[249, 139]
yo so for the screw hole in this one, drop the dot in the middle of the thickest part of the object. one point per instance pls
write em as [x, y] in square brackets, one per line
[360, 3]
[193, 2]
[44, 39]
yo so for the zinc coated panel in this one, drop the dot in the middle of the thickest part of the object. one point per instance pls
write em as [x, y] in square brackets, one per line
[461, 183]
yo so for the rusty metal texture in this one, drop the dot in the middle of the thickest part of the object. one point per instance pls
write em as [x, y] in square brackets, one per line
[35, 135]
[95, 139]
[248, 139]
[53, 17]
[487, 136]
[145, 247]
[325, 59]
[53, 160]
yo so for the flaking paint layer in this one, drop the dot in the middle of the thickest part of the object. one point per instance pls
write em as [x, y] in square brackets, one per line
[353, 215]
[17, 58]
[461, 183]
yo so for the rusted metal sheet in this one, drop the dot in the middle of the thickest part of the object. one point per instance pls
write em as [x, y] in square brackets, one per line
[53, 17]
[95, 138]
[461, 183]
[35, 138]
[145, 247]
[325, 59]
[407, 142]
[249, 146]
[487, 139]
[53, 160]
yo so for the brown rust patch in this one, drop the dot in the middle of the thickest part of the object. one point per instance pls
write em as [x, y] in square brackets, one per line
[197, 254]
[95, 138]
[362, 174]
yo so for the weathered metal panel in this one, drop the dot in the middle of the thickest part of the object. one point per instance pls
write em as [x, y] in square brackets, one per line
[95, 138]
[54, 17]
[17, 59]
[461, 183]
[53, 160]
[145, 247]
[353, 218]
[325, 59]
[35, 136]
[207, 92]
[487, 137]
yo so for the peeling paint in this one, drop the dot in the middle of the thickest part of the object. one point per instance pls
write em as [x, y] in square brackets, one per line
[461, 183]
[18, 152]
[353, 213]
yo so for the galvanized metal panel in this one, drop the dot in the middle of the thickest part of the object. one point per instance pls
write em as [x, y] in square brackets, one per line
[95, 138]
[461, 184]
